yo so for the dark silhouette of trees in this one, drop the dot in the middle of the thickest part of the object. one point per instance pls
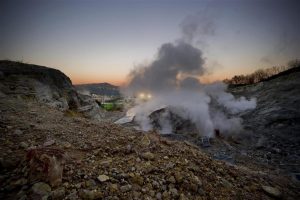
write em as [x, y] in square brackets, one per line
[262, 74]
[293, 63]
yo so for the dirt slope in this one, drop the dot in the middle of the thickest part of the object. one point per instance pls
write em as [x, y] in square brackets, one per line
[133, 165]
[275, 123]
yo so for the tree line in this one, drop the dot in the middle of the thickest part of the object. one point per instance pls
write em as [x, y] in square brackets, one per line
[262, 74]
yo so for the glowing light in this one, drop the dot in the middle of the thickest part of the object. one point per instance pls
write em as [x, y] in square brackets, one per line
[142, 95]
[145, 96]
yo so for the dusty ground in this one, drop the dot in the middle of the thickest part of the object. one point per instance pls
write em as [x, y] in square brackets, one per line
[107, 161]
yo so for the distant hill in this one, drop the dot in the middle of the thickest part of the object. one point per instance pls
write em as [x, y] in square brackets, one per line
[99, 89]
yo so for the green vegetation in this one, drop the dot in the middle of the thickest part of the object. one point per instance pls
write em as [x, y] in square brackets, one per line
[112, 106]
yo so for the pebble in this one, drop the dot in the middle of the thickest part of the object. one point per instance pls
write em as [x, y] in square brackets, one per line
[136, 195]
[21, 181]
[178, 177]
[90, 194]
[90, 183]
[41, 189]
[58, 193]
[106, 162]
[272, 191]
[49, 143]
[155, 184]
[103, 178]
[67, 145]
[166, 195]
[145, 142]
[171, 179]
[174, 192]
[126, 188]
[72, 195]
[183, 197]
[148, 156]
[78, 185]
[18, 132]
[23, 145]
[226, 184]
[158, 196]
[113, 188]
[128, 149]
[138, 179]
[197, 181]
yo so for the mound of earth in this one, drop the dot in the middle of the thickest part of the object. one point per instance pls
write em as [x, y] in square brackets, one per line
[46, 85]
[46, 153]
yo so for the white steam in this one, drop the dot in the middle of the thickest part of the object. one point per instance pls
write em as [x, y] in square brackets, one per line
[209, 107]
[172, 79]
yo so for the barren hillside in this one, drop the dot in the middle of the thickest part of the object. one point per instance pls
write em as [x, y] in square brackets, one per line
[49, 153]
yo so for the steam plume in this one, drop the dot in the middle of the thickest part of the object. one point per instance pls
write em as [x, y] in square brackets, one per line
[173, 81]
[173, 61]
[197, 26]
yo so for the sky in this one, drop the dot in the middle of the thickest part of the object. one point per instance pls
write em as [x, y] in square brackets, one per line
[102, 41]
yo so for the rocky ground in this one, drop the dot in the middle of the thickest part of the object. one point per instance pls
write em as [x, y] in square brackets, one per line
[274, 124]
[47, 152]
[271, 135]
[107, 161]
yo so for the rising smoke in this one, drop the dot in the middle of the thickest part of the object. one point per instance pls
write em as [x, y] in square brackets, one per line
[172, 79]
[198, 26]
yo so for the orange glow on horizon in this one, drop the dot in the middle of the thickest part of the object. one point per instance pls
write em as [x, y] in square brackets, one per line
[113, 81]
[90, 77]
[121, 82]
[91, 81]
[211, 78]
[119, 79]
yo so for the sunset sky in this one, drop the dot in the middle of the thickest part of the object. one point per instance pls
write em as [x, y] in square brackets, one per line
[101, 41]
